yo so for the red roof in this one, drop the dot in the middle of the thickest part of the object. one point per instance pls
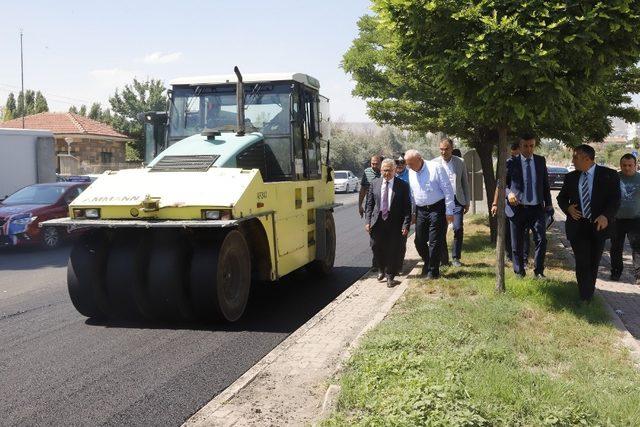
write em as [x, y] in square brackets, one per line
[64, 123]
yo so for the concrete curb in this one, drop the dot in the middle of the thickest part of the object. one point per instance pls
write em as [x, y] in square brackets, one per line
[218, 404]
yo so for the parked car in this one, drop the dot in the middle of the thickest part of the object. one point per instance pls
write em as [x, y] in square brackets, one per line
[556, 176]
[346, 182]
[23, 211]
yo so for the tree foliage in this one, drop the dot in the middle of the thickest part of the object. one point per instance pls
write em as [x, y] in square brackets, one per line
[10, 108]
[135, 98]
[500, 67]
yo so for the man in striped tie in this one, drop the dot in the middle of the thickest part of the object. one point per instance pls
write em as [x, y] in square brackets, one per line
[590, 198]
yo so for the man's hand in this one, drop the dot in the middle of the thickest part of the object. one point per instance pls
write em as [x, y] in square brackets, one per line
[367, 228]
[405, 232]
[466, 208]
[601, 222]
[574, 212]
[361, 211]
[513, 200]
[494, 210]
[449, 219]
[413, 219]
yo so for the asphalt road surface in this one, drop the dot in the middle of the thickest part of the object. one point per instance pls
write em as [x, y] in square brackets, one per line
[59, 368]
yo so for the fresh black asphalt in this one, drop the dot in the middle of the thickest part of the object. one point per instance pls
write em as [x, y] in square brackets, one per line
[59, 368]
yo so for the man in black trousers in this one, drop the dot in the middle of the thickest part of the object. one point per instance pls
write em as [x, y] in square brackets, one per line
[590, 197]
[388, 218]
[529, 196]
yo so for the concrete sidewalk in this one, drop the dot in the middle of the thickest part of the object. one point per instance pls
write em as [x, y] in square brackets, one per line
[288, 386]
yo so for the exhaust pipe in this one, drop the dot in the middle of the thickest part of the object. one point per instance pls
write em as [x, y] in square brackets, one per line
[240, 101]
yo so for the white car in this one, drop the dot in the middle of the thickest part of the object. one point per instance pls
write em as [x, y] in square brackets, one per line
[346, 182]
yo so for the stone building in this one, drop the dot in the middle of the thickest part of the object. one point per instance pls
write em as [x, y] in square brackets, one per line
[93, 146]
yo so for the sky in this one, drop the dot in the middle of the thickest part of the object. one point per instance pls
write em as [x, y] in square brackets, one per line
[79, 52]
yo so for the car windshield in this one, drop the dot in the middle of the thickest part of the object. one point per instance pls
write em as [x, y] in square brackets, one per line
[35, 195]
[341, 175]
[267, 109]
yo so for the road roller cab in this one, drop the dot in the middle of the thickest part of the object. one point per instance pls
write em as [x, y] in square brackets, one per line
[237, 194]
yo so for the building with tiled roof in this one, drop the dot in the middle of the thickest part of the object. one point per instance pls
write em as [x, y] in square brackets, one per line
[96, 146]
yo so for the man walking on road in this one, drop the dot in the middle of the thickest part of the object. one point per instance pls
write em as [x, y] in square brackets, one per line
[433, 198]
[388, 218]
[529, 196]
[627, 221]
[457, 173]
[369, 175]
[590, 197]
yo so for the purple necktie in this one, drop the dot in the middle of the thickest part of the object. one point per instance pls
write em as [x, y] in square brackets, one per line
[385, 201]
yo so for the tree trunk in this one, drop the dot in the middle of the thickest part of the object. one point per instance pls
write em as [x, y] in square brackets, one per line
[502, 175]
[484, 147]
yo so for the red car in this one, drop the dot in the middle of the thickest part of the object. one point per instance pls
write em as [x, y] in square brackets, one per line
[23, 211]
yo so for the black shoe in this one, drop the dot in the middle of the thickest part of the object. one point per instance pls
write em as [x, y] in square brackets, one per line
[431, 276]
[380, 277]
[615, 277]
[390, 282]
[374, 269]
[540, 276]
[425, 271]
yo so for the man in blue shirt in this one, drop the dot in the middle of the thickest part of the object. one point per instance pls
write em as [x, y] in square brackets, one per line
[529, 197]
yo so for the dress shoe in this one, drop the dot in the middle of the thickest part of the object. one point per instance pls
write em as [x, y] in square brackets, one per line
[380, 277]
[456, 263]
[374, 269]
[615, 277]
[540, 276]
[390, 282]
[425, 271]
[431, 276]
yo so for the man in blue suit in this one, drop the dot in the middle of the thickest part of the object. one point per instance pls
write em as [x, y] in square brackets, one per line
[529, 197]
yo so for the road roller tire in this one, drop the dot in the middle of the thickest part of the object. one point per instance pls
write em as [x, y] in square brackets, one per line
[221, 278]
[167, 276]
[85, 275]
[323, 267]
[126, 275]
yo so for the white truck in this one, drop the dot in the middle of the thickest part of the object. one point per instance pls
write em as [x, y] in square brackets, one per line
[26, 157]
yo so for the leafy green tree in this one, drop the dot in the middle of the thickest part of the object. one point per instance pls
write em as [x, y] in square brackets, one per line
[40, 103]
[20, 107]
[515, 66]
[83, 110]
[128, 102]
[73, 109]
[10, 108]
[29, 102]
[95, 112]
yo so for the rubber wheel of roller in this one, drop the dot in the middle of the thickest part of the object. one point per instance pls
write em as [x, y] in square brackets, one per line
[167, 276]
[221, 278]
[323, 267]
[85, 275]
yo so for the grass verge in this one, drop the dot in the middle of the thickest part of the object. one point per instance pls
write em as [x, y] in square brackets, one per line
[453, 352]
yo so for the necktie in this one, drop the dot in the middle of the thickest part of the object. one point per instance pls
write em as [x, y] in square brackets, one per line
[385, 201]
[529, 181]
[586, 197]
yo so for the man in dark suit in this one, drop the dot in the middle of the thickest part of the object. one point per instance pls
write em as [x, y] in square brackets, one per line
[590, 197]
[388, 217]
[529, 197]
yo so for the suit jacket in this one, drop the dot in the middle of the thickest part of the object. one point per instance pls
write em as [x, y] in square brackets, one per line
[463, 192]
[515, 180]
[399, 209]
[605, 198]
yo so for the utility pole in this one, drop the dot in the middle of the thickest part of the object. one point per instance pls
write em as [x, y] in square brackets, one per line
[22, 78]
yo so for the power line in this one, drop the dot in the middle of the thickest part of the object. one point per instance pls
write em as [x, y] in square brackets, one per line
[50, 95]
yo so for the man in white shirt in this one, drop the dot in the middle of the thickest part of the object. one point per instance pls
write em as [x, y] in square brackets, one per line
[457, 172]
[433, 198]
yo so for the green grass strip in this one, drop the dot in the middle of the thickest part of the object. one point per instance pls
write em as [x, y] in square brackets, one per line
[452, 352]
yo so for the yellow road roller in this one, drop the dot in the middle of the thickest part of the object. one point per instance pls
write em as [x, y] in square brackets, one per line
[238, 194]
